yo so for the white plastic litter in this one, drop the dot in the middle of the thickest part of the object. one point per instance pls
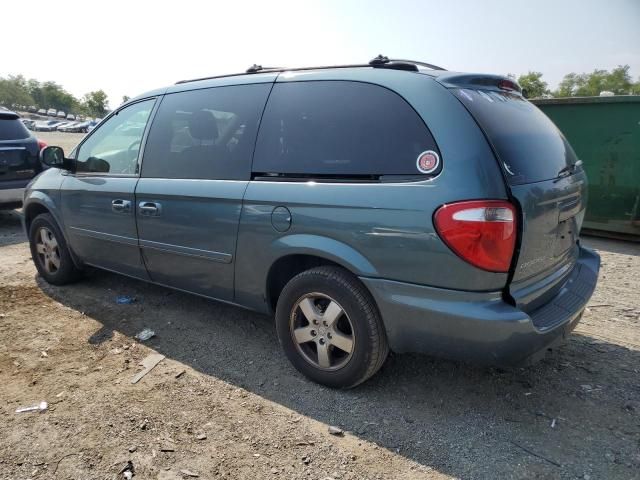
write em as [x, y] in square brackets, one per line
[41, 407]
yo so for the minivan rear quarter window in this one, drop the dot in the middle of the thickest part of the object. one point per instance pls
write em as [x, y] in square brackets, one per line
[339, 129]
[529, 146]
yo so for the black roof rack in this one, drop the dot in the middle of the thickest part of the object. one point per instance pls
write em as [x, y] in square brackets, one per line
[379, 62]
[385, 62]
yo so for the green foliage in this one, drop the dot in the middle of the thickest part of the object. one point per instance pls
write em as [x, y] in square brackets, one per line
[16, 91]
[125, 98]
[96, 103]
[533, 85]
[617, 81]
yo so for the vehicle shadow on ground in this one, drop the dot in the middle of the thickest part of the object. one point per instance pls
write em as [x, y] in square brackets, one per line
[570, 415]
[10, 228]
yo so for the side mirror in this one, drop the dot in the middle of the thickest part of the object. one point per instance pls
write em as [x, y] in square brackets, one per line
[54, 157]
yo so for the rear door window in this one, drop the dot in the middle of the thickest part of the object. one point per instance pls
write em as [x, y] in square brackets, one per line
[339, 129]
[11, 128]
[529, 146]
[205, 134]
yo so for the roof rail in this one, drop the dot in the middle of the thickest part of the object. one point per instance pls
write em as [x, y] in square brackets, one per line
[255, 68]
[382, 61]
[379, 62]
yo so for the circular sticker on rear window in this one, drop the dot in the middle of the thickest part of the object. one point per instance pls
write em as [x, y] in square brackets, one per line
[428, 162]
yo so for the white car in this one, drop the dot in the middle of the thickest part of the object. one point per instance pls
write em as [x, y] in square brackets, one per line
[52, 112]
[61, 114]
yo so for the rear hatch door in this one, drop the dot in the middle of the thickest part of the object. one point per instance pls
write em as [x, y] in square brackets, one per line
[545, 179]
[18, 149]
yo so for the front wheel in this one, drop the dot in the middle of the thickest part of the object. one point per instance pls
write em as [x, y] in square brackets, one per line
[49, 251]
[330, 328]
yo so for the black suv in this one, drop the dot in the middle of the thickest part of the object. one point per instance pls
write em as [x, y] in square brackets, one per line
[19, 161]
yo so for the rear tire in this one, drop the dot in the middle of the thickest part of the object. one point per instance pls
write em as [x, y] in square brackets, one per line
[329, 327]
[50, 252]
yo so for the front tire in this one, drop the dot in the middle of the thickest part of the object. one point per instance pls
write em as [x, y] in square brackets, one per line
[330, 328]
[50, 252]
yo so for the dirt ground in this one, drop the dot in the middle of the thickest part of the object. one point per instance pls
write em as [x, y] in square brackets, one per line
[225, 403]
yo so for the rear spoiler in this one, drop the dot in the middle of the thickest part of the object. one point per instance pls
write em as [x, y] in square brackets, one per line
[8, 115]
[475, 81]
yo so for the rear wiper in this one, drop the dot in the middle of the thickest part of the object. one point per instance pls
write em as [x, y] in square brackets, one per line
[569, 169]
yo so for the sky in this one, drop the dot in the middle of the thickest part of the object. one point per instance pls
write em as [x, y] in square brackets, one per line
[129, 47]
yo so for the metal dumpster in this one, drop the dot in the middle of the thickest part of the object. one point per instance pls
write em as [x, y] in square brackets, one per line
[605, 133]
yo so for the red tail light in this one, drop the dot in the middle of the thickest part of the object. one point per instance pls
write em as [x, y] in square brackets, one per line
[41, 144]
[482, 232]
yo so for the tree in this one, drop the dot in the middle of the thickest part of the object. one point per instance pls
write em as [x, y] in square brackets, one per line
[14, 92]
[617, 81]
[533, 85]
[125, 98]
[96, 103]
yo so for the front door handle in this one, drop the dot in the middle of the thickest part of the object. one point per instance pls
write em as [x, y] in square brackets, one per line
[121, 206]
[150, 209]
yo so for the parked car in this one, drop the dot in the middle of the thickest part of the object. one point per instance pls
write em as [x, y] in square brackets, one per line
[71, 116]
[19, 161]
[78, 127]
[62, 125]
[46, 126]
[52, 112]
[42, 111]
[61, 114]
[384, 206]
[28, 123]
[32, 109]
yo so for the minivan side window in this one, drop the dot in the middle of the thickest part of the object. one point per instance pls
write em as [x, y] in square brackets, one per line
[113, 147]
[339, 129]
[205, 134]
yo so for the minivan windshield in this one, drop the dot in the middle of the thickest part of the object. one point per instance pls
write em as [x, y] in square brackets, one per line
[529, 146]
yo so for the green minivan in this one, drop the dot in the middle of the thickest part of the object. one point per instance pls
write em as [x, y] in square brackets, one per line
[386, 206]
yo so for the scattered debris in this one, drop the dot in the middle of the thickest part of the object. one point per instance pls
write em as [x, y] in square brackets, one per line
[116, 351]
[586, 387]
[189, 473]
[167, 448]
[145, 335]
[44, 354]
[530, 452]
[148, 363]
[41, 407]
[600, 305]
[336, 431]
[128, 471]
[125, 300]
[62, 458]
[202, 436]
[180, 373]
[306, 459]
[553, 423]
[132, 449]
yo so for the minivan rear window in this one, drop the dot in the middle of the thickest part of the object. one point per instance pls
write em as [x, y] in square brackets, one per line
[12, 128]
[340, 129]
[529, 146]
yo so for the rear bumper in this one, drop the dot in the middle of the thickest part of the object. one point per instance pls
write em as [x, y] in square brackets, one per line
[11, 196]
[481, 327]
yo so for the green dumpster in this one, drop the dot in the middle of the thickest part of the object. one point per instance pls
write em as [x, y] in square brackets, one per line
[605, 133]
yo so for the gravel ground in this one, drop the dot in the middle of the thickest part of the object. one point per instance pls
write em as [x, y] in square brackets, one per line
[225, 403]
[61, 139]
